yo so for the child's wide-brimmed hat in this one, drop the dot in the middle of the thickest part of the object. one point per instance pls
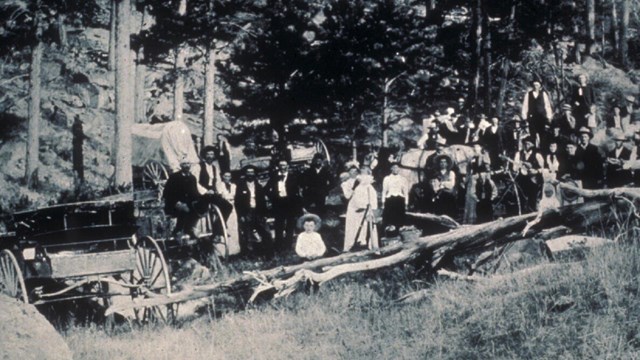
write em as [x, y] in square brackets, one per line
[309, 217]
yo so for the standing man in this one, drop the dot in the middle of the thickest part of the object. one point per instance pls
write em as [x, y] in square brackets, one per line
[284, 192]
[78, 141]
[316, 185]
[567, 121]
[582, 97]
[529, 163]
[589, 154]
[536, 109]
[251, 208]
[491, 139]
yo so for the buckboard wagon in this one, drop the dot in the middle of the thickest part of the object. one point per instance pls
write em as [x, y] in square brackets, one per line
[84, 251]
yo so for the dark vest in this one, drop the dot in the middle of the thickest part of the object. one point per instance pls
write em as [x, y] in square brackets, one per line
[536, 105]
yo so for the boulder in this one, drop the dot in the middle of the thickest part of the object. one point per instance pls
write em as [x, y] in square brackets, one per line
[25, 334]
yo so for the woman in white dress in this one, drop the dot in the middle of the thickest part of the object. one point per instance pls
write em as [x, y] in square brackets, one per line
[360, 219]
[227, 190]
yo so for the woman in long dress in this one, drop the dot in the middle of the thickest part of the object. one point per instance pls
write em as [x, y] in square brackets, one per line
[227, 190]
[360, 219]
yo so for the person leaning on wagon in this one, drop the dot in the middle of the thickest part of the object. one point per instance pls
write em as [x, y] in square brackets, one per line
[208, 181]
[250, 202]
[183, 201]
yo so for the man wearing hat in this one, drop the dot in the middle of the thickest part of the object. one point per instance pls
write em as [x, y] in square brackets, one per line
[431, 164]
[183, 201]
[615, 175]
[536, 109]
[627, 110]
[491, 139]
[582, 97]
[567, 121]
[444, 187]
[590, 156]
[528, 163]
[208, 179]
[513, 137]
[250, 202]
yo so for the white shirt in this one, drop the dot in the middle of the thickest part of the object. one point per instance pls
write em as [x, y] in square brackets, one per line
[252, 189]
[394, 185]
[282, 189]
[209, 169]
[310, 245]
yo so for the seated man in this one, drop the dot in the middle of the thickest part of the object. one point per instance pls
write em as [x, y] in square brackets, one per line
[183, 201]
[444, 187]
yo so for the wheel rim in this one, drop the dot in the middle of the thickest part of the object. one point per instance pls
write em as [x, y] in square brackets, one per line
[11, 278]
[152, 273]
[153, 174]
[225, 234]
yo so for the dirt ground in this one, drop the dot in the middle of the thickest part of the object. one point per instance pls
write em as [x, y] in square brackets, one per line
[25, 334]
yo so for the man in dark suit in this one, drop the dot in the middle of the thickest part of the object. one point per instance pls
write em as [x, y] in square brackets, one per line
[284, 191]
[251, 209]
[207, 179]
[589, 154]
[582, 97]
[491, 139]
[316, 184]
[615, 175]
[183, 201]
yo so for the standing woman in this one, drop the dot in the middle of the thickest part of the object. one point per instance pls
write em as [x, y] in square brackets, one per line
[227, 190]
[395, 194]
[360, 226]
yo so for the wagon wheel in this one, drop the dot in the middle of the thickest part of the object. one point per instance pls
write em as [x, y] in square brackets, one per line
[215, 246]
[11, 278]
[152, 273]
[154, 174]
[321, 148]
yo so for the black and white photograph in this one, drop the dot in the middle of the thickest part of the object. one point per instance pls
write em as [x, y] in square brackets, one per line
[319, 179]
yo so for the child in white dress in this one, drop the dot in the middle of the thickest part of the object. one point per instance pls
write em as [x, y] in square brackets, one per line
[309, 244]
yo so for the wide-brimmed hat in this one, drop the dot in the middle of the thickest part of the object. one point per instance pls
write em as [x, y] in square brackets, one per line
[247, 167]
[566, 106]
[309, 217]
[441, 141]
[585, 130]
[351, 165]
[630, 98]
[206, 149]
[447, 158]
[618, 136]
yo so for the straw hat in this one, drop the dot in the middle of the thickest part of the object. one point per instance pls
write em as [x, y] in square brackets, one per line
[309, 217]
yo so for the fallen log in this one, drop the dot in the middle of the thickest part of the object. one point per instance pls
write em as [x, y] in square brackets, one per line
[437, 249]
[442, 220]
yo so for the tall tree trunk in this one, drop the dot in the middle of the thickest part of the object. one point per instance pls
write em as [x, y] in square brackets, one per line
[111, 65]
[487, 62]
[62, 30]
[141, 73]
[178, 86]
[591, 26]
[476, 55]
[124, 96]
[33, 135]
[576, 47]
[503, 87]
[624, 34]
[615, 27]
[209, 97]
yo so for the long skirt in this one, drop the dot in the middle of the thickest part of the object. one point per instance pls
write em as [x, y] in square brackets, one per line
[364, 232]
[394, 211]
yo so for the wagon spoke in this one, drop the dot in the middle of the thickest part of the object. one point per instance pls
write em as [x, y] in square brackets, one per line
[11, 278]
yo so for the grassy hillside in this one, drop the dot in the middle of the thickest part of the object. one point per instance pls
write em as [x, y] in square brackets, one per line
[580, 310]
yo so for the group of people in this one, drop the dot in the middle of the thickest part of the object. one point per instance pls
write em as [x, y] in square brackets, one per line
[536, 147]
[290, 199]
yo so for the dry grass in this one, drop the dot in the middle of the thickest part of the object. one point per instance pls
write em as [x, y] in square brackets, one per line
[587, 310]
